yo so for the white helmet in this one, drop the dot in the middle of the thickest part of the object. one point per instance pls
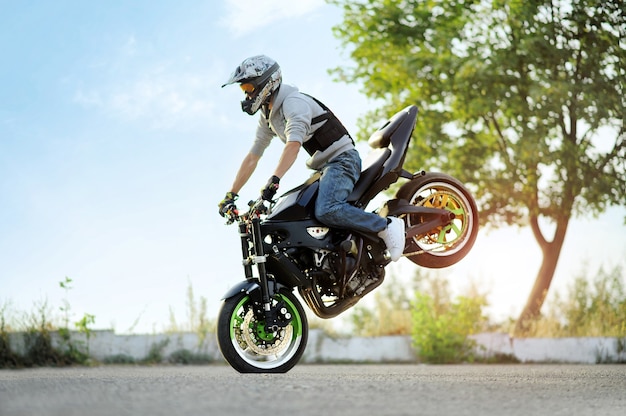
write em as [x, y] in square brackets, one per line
[263, 75]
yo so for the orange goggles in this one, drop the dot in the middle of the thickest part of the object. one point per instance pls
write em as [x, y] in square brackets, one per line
[247, 88]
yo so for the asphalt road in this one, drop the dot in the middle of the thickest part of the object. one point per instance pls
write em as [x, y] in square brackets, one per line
[317, 390]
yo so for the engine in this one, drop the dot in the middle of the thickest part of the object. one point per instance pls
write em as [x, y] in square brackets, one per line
[346, 272]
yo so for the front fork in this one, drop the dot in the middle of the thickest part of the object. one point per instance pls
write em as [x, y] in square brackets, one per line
[255, 255]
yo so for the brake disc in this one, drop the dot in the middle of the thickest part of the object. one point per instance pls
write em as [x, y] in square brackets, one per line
[257, 343]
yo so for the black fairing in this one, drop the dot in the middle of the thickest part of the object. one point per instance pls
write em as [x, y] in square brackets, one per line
[297, 204]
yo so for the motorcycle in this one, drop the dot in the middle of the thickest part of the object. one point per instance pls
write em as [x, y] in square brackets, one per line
[262, 326]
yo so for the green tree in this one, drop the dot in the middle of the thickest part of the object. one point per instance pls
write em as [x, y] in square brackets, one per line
[512, 96]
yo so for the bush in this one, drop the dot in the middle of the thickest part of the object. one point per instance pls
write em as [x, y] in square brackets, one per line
[591, 306]
[119, 359]
[8, 359]
[390, 314]
[184, 356]
[441, 327]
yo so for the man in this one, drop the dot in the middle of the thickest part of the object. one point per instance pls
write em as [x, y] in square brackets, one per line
[300, 120]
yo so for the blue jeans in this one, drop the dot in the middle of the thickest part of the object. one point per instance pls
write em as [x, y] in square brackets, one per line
[336, 184]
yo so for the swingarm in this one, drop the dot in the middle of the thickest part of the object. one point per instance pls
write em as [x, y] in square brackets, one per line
[430, 218]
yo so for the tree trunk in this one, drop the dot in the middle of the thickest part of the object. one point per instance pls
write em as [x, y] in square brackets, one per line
[551, 251]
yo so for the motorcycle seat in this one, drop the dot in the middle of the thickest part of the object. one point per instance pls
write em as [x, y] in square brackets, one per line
[375, 161]
[373, 166]
[382, 137]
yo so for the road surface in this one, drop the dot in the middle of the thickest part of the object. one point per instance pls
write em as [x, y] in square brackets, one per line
[317, 390]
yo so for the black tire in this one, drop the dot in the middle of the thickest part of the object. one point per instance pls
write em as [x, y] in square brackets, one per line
[443, 246]
[246, 345]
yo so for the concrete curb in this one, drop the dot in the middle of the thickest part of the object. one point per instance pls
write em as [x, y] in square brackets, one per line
[588, 350]
[322, 348]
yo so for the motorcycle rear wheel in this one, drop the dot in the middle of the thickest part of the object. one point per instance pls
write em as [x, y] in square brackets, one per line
[249, 348]
[445, 245]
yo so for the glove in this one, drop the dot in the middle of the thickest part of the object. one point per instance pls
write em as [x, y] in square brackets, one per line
[270, 189]
[227, 205]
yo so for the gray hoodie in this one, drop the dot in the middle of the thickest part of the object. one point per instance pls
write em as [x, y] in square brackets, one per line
[290, 120]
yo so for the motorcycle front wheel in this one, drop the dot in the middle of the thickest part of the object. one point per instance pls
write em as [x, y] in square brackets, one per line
[445, 245]
[246, 344]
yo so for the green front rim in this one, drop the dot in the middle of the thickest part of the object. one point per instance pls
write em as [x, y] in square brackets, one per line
[259, 347]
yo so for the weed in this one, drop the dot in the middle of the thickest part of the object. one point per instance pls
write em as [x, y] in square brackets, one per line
[184, 356]
[591, 307]
[155, 355]
[8, 359]
[39, 346]
[119, 359]
[38, 341]
[197, 318]
[83, 328]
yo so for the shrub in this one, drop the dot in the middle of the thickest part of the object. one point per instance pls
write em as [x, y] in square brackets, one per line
[184, 356]
[119, 359]
[441, 328]
[591, 306]
[8, 359]
[390, 314]
[155, 355]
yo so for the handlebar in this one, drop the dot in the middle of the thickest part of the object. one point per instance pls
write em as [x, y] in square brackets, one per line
[257, 208]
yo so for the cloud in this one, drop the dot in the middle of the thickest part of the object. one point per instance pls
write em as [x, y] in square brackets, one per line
[162, 101]
[245, 16]
[136, 82]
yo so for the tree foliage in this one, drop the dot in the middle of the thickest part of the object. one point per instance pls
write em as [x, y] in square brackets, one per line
[523, 100]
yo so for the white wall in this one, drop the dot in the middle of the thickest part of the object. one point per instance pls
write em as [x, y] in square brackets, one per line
[322, 348]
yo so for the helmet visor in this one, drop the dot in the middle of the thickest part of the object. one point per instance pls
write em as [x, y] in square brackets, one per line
[248, 88]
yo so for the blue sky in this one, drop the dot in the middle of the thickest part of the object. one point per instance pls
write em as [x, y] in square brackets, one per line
[117, 142]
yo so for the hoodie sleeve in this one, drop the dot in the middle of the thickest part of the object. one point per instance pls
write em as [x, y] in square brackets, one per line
[264, 136]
